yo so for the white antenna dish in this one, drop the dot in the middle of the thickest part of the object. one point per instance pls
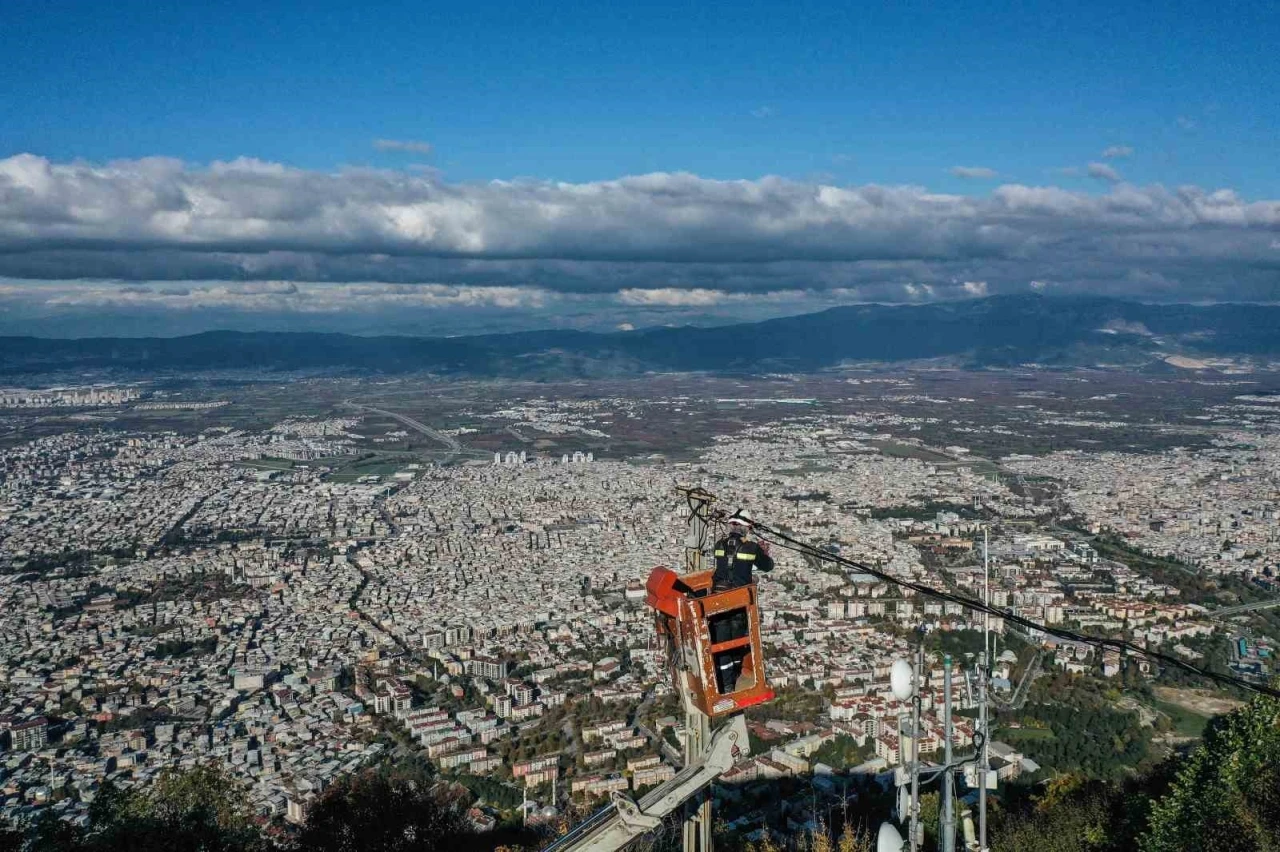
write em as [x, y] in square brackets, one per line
[902, 680]
[904, 803]
[888, 839]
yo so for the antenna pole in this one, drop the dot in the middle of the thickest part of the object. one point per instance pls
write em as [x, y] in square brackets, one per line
[983, 761]
[986, 590]
[697, 725]
[695, 540]
[915, 748]
[949, 778]
[984, 673]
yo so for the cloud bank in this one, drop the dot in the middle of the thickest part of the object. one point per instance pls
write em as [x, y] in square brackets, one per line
[647, 241]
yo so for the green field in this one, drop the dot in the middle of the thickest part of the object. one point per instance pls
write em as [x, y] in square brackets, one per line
[381, 468]
[896, 450]
[378, 465]
[1186, 723]
[1014, 735]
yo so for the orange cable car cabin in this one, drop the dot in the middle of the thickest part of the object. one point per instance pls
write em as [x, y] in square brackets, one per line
[714, 637]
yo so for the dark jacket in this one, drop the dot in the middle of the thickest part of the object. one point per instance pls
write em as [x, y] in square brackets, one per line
[735, 557]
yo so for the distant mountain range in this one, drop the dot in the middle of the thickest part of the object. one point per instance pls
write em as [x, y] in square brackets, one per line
[993, 332]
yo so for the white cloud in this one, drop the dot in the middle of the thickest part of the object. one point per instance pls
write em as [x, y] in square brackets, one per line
[1116, 151]
[1102, 171]
[1186, 122]
[701, 297]
[919, 292]
[1120, 326]
[762, 112]
[286, 296]
[975, 288]
[159, 220]
[671, 297]
[974, 172]
[407, 145]
[251, 207]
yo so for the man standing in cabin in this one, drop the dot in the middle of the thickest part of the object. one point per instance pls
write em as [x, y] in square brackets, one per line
[736, 555]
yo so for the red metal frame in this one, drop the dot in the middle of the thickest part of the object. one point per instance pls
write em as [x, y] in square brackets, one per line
[683, 606]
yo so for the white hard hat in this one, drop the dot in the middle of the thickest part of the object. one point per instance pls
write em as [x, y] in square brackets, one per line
[740, 518]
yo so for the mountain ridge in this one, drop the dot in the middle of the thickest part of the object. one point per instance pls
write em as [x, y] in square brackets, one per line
[991, 332]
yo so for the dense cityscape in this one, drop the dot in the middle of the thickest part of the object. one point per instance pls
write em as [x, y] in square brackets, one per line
[659, 427]
[294, 602]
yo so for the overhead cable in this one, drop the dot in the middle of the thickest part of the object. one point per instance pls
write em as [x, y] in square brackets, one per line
[1122, 645]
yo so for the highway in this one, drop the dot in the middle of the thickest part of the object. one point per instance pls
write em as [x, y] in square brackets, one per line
[1228, 611]
[1028, 677]
[449, 441]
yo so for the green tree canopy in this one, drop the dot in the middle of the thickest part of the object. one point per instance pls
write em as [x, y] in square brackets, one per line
[196, 810]
[1226, 796]
[388, 812]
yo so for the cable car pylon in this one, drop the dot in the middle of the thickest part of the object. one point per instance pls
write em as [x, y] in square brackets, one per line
[714, 653]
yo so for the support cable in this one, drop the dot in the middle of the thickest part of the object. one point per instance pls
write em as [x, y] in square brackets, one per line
[788, 542]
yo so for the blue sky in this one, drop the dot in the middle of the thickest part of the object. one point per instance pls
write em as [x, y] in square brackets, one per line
[884, 93]
[923, 150]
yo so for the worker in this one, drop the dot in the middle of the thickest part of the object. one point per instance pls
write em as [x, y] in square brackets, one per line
[736, 555]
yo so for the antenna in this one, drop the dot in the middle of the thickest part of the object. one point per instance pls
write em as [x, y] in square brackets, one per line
[888, 839]
[697, 828]
[984, 762]
[984, 675]
[905, 683]
[900, 680]
[949, 779]
[986, 589]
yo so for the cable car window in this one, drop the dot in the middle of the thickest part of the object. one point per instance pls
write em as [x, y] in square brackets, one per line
[728, 669]
[727, 626]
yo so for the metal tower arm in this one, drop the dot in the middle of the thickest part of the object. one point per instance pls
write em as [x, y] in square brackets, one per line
[617, 824]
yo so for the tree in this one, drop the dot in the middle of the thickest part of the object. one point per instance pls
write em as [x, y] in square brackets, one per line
[11, 837]
[47, 833]
[197, 810]
[1227, 794]
[1073, 814]
[385, 811]
[821, 840]
[841, 752]
[765, 844]
[1224, 796]
[854, 840]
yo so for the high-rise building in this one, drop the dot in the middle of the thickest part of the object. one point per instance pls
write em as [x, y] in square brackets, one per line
[31, 735]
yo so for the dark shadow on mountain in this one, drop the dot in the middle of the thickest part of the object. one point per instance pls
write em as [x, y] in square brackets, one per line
[999, 331]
